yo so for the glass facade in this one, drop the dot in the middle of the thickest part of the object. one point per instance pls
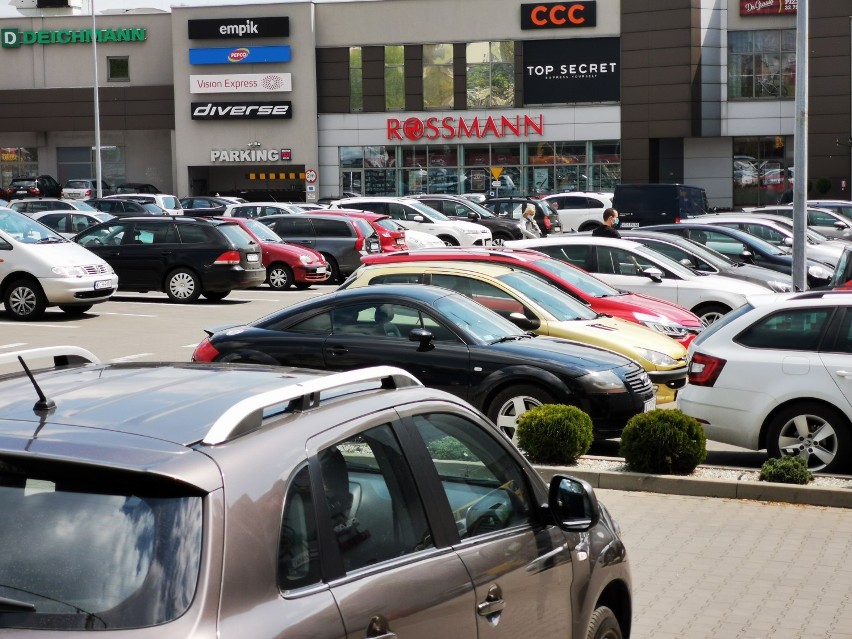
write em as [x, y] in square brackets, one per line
[356, 81]
[17, 162]
[762, 64]
[438, 76]
[762, 169]
[490, 74]
[394, 78]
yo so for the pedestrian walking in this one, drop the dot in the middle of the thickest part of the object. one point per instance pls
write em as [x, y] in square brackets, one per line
[610, 224]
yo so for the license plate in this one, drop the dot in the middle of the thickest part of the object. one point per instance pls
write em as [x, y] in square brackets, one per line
[630, 225]
[320, 270]
[487, 241]
[103, 284]
[252, 257]
[650, 405]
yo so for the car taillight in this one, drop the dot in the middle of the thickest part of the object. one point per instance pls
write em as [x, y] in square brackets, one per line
[359, 243]
[34, 190]
[228, 257]
[704, 369]
[205, 351]
[547, 222]
[88, 192]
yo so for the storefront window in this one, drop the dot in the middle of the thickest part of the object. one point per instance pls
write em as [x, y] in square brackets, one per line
[356, 81]
[762, 170]
[490, 74]
[762, 64]
[379, 156]
[79, 162]
[352, 157]
[438, 76]
[394, 78]
[377, 182]
[413, 181]
[443, 156]
[477, 155]
[17, 162]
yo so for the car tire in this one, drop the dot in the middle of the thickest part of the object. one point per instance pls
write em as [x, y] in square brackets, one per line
[333, 268]
[279, 276]
[514, 401]
[709, 313]
[25, 300]
[215, 296]
[448, 240]
[500, 239]
[77, 309]
[182, 286]
[604, 625]
[827, 444]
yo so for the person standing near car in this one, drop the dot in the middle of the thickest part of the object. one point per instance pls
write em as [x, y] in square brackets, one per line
[609, 226]
[529, 227]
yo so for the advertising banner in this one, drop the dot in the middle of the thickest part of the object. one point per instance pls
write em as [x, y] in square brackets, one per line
[239, 28]
[570, 71]
[768, 7]
[241, 111]
[239, 55]
[559, 15]
[241, 83]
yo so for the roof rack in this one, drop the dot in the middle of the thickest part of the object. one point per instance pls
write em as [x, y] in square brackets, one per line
[247, 414]
[813, 295]
[62, 355]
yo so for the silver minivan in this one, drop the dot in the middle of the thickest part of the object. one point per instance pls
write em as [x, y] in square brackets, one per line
[40, 268]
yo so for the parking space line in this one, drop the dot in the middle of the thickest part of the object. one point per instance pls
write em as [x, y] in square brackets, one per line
[128, 358]
[127, 314]
[34, 325]
[13, 345]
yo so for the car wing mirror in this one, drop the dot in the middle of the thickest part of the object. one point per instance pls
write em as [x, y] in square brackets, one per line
[654, 274]
[747, 256]
[473, 215]
[573, 504]
[688, 263]
[840, 225]
[788, 241]
[423, 337]
[523, 322]
[417, 218]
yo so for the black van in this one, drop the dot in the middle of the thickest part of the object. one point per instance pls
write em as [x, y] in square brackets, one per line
[645, 204]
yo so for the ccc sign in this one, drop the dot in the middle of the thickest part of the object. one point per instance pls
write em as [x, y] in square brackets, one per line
[559, 15]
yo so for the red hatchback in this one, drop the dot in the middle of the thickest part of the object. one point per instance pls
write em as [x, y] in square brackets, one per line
[665, 317]
[391, 234]
[286, 264]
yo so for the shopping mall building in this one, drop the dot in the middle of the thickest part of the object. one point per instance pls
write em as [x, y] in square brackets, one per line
[302, 100]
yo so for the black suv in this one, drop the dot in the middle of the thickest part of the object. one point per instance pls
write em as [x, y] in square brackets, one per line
[238, 500]
[124, 207]
[456, 207]
[182, 256]
[512, 208]
[38, 186]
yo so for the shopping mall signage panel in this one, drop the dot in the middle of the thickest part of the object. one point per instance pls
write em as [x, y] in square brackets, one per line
[559, 15]
[768, 7]
[230, 156]
[461, 128]
[239, 28]
[572, 71]
[239, 55]
[241, 83]
[13, 38]
[241, 111]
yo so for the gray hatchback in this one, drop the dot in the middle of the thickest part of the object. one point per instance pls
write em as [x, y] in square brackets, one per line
[225, 500]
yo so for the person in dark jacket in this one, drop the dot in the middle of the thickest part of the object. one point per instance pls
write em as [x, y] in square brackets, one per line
[610, 222]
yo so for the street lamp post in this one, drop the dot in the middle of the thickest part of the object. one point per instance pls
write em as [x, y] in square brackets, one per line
[98, 183]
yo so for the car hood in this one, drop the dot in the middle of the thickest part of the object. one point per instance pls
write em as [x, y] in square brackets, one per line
[461, 225]
[67, 253]
[577, 358]
[759, 274]
[655, 306]
[291, 249]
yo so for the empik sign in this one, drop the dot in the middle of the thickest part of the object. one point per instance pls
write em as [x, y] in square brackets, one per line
[239, 28]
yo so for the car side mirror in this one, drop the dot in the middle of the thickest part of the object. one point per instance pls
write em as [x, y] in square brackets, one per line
[747, 256]
[417, 218]
[839, 225]
[788, 241]
[423, 336]
[654, 274]
[573, 504]
[688, 263]
[473, 215]
[523, 322]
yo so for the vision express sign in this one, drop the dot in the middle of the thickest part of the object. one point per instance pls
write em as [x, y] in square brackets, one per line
[239, 28]
[241, 111]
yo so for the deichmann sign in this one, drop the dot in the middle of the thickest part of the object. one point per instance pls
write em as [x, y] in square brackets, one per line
[241, 111]
[12, 38]
[768, 7]
[241, 83]
[239, 55]
[449, 128]
[243, 155]
[559, 15]
[570, 71]
[221, 28]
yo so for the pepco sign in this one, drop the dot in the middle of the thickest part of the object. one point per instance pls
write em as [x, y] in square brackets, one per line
[559, 15]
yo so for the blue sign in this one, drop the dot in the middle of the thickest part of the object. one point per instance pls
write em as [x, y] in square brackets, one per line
[239, 55]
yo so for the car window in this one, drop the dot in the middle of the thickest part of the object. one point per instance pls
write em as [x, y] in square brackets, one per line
[398, 278]
[106, 235]
[677, 254]
[486, 488]
[354, 320]
[582, 280]
[109, 206]
[154, 233]
[171, 203]
[578, 255]
[298, 550]
[395, 210]
[293, 226]
[247, 211]
[318, 324]
[843, 341]
[196, 234]
[724, 244]
[80, 222]
[238, 236]
[618, 261]
[56, 221]
[82, 206]
[820, 218]
[485, 293]
[332, 228]
[790, 329]
[474, 318]
[26, 230]
[767, 233]
[78, 184]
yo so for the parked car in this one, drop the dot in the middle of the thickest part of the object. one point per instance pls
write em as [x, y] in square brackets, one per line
[135, 187]
[376, 503]
[255, 210]
[454, 344]
[204, 202]
[629, 266]
[286, 264]
[843, 207]
[182, 256]
[31, 206]
[578, 210]
[534, 305]
[40, 268]
[512, 208]
[417, 216]
[739, 245]
[824, 221]
[84, 189]
[703, 259]
[120, 207]
[774, 375]
[169, 203]
[457, 207]
[391, 234]
[38, 186]
[842, 276]
[646, 204]
[339, 239]
[68, 223]
[666, 318]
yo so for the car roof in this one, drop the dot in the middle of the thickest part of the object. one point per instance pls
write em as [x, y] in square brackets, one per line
[750, 217]
[515, 254]
[572, 238]
[492, 269]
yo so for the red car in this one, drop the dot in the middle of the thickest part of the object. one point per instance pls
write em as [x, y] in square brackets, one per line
[391, 235]
[286, 264]
[665, 317]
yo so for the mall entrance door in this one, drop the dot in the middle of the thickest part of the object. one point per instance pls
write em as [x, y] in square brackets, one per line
[253, 183]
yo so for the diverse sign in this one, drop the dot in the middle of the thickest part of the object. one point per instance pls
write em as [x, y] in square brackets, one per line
[569, 71]
[768, 7]
[449, 127]
[245, 155]
[241, 83]
[241, 111]
[13, 38]
[559, 15]
[221, 28]
[239, 55]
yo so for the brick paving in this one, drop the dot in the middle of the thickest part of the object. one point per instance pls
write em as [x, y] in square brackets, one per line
[709, 568]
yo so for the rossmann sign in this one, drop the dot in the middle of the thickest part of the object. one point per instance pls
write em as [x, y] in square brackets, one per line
[559, 15]
[452, 128]
[241, 111]
[239, 28]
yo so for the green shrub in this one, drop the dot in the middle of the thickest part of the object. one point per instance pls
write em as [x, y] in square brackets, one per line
[663, 441]
[555, 434]
[823, 185]
[448, 448]
[786, 470]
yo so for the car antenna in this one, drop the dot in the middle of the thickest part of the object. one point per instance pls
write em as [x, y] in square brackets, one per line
[43, 404]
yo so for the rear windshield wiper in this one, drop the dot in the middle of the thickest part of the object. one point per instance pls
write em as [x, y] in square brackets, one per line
[14, 605]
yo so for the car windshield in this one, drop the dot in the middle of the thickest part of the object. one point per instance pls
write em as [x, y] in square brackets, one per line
[560, 305]
[153, 208]
[813, 236]
[26, 230]
[428, 212]
[389, 224]
[78, 184]
[237, 235]
[261, 231]
[481, 323]
[582, 280]
[94, 550]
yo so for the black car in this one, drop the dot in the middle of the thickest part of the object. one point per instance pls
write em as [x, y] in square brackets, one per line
[741, 246]
[456, 207]
[38, 186]
[450, 343]
[125, 207]
[512, 208]
[182, 256]
[136, 187]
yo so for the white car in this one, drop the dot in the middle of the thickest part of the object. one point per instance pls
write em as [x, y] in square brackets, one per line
[630, 266]
[255, 210]
[580, 211]
[419, 240]
[776, 374]
[31, 206]
[69, 223]
[84, 189]
[824, 221]
[417, 216]
[169, 203]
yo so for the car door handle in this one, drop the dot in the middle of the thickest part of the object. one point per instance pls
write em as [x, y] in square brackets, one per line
[378, 628]
[493, 603]
[844, 373]
[338, 350]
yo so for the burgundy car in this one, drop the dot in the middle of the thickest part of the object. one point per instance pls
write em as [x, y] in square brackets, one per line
[391, 234]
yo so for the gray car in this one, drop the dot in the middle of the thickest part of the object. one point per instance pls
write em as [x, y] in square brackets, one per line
[284, 502]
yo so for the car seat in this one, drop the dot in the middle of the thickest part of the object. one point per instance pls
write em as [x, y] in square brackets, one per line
[383, 318]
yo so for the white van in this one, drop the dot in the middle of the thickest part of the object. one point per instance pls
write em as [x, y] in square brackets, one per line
[39, 268]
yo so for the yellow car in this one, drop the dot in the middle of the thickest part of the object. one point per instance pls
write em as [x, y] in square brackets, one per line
[535, 305]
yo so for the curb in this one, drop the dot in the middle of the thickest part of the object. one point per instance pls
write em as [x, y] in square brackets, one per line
[696, 487]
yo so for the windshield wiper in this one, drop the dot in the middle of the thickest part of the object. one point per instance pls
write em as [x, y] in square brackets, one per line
[14, 605]
[510, 338]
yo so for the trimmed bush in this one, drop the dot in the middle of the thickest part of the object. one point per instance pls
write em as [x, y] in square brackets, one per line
[555, 434]
[448, 448]
[823, 185]
[786, 470]
[663, 441]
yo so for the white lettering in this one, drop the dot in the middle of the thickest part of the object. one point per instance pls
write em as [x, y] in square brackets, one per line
[233, 156]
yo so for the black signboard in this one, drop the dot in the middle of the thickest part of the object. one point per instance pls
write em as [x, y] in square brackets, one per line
[241, 110]
[568, 71]
[239, 28]
[559, 15]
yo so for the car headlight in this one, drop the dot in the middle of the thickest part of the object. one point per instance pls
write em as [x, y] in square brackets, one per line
[819, 273]
[69, 271]
[780, 287]
[656, 358]
[306, 259]
[661, 325]
[602, 382]
[472, 232]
